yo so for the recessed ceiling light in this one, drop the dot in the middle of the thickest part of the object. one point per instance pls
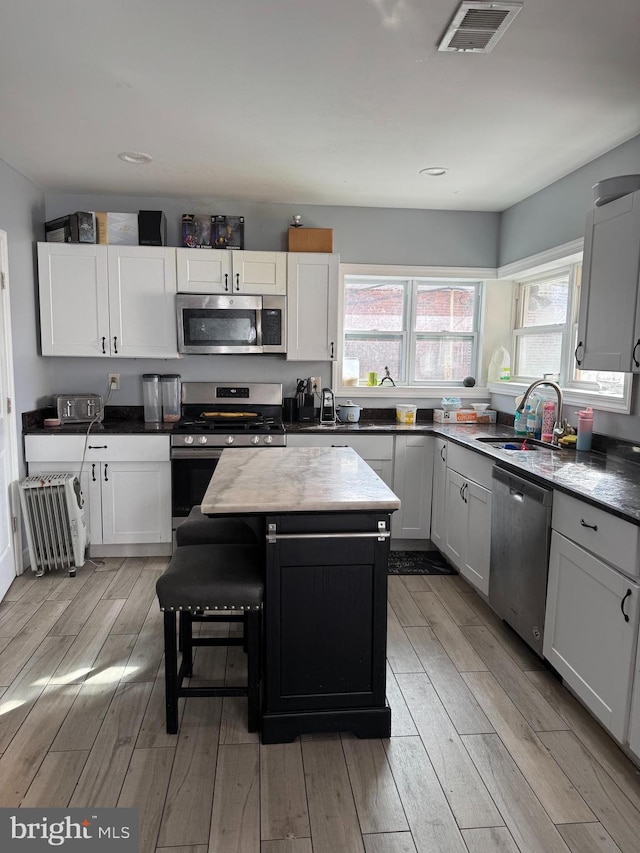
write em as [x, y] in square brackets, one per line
[434, 171]
[137, 157]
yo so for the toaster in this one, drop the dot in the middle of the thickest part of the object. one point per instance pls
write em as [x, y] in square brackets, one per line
[79, 408]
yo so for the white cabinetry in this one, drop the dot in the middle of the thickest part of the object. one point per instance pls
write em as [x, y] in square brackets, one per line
[126, 483]
[592, 614]
[107, 300]
[438, 499]
[312, 306]
[231, 271]
[609, 320]
[412, 480]
[467, 540]
[376, 450]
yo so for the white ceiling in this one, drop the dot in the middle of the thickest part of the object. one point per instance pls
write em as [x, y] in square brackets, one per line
[312, 101]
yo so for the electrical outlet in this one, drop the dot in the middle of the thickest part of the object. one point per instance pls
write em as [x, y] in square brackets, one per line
[316, 382]
[114, 381]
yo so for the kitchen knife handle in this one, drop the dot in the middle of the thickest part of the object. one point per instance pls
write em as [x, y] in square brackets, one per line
[226, 281]
[624, 598]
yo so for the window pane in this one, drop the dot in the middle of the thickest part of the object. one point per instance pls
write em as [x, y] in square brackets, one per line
[539, 354]
[445, 308]
[376, 354]
[371, 306]
[545, 302]
[444, 359]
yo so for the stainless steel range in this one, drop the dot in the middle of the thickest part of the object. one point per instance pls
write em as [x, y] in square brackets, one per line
[216, 416]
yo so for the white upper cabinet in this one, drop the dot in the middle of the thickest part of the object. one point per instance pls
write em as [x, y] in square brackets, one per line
[74, 299]
[142, 289]
[231, 271]
[107, 300]
[312, 306]
[609, 320]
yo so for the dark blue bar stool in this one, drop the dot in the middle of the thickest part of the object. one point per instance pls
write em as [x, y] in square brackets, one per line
[200, 579]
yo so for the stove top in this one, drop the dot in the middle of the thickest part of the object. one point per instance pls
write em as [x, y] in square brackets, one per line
[219, 415]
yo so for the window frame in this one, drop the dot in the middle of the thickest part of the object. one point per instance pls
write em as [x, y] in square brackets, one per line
[418, 389]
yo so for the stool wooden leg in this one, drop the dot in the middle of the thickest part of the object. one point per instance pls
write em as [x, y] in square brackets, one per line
[186, 642]
[252, 627]
[171, 671]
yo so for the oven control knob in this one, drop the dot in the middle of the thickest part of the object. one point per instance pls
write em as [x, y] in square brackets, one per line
[229, 439]
[188, 439]
[203, 439]
[268, 439]
[255, 439]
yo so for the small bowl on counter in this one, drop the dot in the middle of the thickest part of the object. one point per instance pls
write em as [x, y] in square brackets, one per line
[479, 407]
[451, 404]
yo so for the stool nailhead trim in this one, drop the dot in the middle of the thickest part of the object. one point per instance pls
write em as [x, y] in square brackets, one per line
[207, 607]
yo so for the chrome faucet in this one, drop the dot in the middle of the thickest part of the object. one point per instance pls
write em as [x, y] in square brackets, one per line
[560, 426]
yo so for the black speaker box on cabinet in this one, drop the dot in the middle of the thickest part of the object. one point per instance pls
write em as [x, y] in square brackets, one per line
[152, 228]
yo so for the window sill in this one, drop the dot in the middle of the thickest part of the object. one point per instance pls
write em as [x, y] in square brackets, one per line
[415, 392]
[571, 396]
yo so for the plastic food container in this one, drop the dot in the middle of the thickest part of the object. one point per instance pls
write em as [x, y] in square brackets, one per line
[406, 414]
[170, 397]
[351, 371]
[151, 398]
[450, 404]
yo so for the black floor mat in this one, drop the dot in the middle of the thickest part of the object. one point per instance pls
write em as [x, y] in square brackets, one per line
[419, 563]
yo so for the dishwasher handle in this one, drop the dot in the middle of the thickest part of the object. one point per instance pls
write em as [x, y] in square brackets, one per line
[523, 487]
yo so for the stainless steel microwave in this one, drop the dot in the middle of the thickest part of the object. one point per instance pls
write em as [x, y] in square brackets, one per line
[231, 324]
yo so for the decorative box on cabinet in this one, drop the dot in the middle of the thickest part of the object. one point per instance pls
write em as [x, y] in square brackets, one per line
[231, 271]
[107, 300]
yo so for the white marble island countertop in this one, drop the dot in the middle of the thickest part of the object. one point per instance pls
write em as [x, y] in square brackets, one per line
[295, 479]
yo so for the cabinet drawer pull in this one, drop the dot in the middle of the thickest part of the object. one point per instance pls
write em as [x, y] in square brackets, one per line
[115, 344]
[237, 281]
[103, 343]
[226, 281]
[442, 453]
[106, 471]
[626, 595]
[97, 447]
[635, 360]
[331, 349]
[93, 472]
[583, 523]
[578, 360]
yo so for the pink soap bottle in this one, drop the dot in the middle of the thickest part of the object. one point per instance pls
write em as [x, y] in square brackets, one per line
[548, 420]
[585, 429]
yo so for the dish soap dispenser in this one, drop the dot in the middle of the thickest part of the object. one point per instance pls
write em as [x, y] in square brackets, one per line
[585, 429]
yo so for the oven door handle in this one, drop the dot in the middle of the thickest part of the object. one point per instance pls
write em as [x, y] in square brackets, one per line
[196, 452]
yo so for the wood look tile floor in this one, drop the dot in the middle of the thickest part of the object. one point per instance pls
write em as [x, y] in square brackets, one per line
[488, 751]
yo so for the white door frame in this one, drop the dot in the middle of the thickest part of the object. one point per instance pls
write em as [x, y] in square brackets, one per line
[6, 356]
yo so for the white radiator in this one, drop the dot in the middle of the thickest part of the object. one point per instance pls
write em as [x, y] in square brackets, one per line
[53, 512]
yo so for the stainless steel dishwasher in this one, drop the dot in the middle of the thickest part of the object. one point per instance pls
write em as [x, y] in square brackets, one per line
[520, 539]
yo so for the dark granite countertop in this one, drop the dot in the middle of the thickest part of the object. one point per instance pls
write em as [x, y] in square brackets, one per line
[608, 480]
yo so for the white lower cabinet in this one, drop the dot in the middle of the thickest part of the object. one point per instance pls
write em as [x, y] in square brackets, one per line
[465, 530]
[376, 450]
[634, 716]
[439, 493]
[126, 483]
[591, 629]
[412, 482]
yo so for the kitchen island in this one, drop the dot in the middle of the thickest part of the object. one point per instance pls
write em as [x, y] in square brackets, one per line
[326, 522]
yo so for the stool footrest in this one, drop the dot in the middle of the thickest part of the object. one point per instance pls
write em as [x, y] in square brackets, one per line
[212, 691]
[217, 641]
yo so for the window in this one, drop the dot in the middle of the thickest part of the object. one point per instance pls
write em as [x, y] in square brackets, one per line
[546, 333]
[425, 331]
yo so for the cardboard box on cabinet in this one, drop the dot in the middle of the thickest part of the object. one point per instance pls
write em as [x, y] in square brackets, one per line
[116, 229]
[227, 232]
[464, 416]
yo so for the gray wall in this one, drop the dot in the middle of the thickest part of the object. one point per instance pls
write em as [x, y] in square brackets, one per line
[361, 235]
[556, 215]
[22, 216]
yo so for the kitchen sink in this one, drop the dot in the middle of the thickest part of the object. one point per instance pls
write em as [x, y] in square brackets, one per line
[516, 443]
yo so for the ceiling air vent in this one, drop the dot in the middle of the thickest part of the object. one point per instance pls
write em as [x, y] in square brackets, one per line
[477, 27]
